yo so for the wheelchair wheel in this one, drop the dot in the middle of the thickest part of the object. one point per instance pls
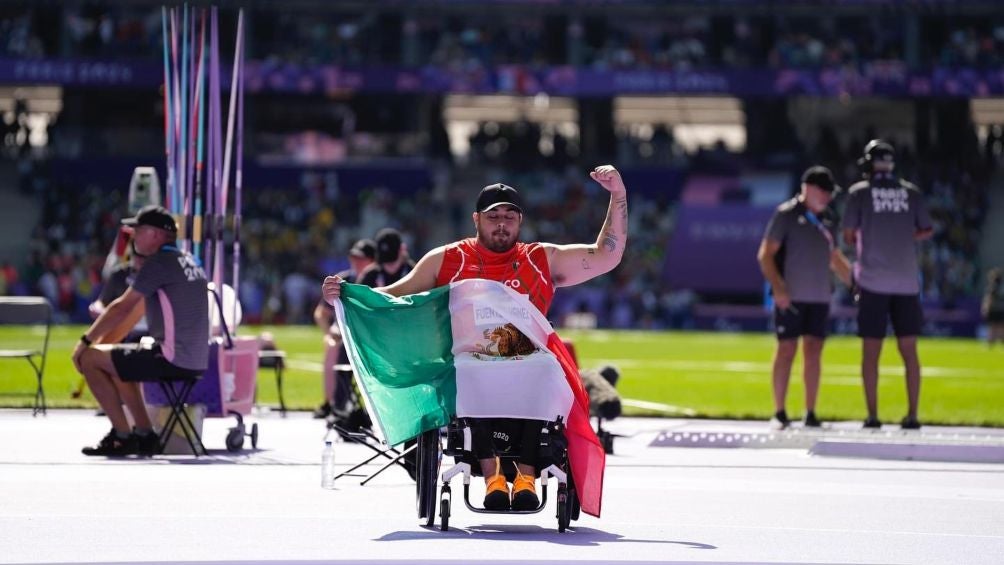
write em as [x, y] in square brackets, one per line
[444, 508]
[573, 504]
[254, 436]
[563, 508]
[235, 439]
[573, 499]
[427, 463]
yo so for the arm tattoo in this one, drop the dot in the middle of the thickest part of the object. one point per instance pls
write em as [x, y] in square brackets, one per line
[609, 242]
[622, 206]
[585, 265]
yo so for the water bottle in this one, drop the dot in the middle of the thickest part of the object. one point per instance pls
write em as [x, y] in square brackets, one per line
[328, 466]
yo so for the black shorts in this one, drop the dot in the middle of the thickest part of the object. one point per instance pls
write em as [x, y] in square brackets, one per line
[875, 310]
[137, 363]
[801, 318]
[995, 316]
[506, 436]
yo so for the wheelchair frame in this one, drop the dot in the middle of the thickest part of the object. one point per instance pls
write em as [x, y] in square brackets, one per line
[430, 451]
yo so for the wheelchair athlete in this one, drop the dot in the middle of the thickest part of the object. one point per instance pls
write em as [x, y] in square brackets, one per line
[534, 269]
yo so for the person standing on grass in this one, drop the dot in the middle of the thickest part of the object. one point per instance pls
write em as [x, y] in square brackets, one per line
[361, 256]
[796, 256]
[992, 306]
[885, 218]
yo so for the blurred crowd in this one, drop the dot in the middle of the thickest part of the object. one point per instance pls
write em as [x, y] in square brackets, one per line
[296, 232]
[468, 41]
[293, 235]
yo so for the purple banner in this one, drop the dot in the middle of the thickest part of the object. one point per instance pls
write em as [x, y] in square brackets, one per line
[713, 249]
[81, 72]
[878, 78]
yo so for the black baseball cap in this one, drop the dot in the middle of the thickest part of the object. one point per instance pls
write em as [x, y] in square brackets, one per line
[821, 177]
[499, 194]
[388, 245]
[879, 150]
[364, 248]
[155, 216]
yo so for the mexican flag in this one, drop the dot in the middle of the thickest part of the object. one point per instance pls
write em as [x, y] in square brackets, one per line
[473, 348]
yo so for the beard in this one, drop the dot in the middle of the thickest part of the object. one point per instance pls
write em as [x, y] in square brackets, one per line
[498, 240]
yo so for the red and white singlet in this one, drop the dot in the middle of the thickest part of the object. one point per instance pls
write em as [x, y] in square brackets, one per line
[523, 268]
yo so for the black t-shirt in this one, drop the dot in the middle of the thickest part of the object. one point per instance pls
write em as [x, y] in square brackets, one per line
[118, 281]
[376, 275]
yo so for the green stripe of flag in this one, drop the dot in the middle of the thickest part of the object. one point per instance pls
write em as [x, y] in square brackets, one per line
[409, 380]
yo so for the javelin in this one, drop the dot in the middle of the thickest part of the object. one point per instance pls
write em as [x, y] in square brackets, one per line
[231, 109]
[238, 172]
[178, 207]
[212, 153]
[197, 220]
[168, 121]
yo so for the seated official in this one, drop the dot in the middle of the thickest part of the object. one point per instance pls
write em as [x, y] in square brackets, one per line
[170, 287]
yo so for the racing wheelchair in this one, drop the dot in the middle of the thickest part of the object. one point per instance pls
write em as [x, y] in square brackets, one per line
[458, 437]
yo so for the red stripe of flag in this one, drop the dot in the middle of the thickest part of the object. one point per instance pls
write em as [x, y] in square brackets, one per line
[585, 453]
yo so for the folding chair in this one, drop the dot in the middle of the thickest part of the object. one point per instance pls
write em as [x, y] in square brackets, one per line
[275, 359]
[352, 429]
[176, 391]
[29, 310]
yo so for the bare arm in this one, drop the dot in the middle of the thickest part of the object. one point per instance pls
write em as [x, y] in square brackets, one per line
[421, 278]
[117, 334]
[841, 266]
[765, 256]
[109, 324]
[118, 313]
[576, 263]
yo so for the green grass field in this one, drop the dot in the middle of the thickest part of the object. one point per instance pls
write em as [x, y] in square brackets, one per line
[712, 375]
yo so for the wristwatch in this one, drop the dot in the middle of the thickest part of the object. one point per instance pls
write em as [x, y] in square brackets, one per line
[86, 341]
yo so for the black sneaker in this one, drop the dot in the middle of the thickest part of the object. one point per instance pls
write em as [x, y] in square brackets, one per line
[780, 420]
[497, 493]
[322, 411]
[811, 421]
[113, 446]
[872, 423]
[524, 493]
[910, 423]
[147, 444]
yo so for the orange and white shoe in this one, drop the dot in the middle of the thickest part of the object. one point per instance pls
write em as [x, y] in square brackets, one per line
[497, 490]
[524, 492]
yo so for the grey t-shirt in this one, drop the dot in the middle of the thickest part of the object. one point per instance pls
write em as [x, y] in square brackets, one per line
[804, 257]
[177, 306]
[886, 212]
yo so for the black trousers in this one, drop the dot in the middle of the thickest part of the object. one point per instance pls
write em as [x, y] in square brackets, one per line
[507, 436]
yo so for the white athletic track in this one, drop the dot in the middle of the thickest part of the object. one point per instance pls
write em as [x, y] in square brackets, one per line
[775, 503]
